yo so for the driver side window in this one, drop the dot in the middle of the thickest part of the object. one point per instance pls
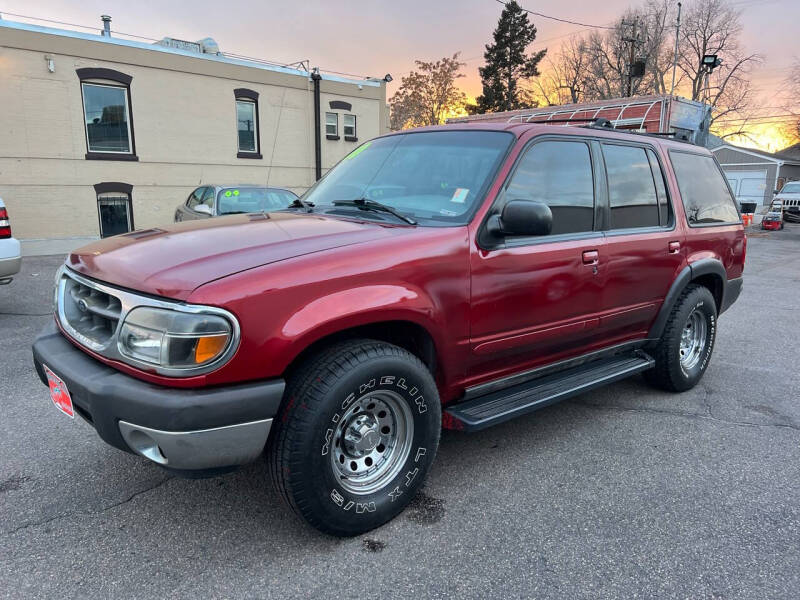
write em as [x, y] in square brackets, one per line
[559, 174]
[195, 198]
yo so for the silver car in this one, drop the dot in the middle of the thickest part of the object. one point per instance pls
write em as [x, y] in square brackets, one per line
[216, 200]
[10, 255]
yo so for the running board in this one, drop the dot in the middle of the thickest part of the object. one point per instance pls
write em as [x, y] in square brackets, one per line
[503, 405]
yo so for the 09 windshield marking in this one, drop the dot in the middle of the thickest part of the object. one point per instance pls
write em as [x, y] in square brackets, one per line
[433, 177]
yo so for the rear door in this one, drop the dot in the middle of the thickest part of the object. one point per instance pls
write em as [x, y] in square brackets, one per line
[534, 298]
[644, 244]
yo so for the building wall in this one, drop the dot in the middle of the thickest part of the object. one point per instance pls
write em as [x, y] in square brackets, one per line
[734, 161]
[184, 127]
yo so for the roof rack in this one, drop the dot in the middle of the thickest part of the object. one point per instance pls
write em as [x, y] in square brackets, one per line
[595, 122]
[603, 123]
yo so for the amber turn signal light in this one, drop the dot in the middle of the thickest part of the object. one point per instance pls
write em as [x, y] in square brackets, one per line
[209, 347]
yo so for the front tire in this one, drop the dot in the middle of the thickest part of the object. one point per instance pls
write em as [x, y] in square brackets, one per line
[684, 350]
[356, 436]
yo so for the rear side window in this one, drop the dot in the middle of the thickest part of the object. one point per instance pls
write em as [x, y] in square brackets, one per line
[705, 194]
[558, 174]
[631, 187]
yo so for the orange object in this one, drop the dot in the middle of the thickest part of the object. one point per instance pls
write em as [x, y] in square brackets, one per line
[209, 347]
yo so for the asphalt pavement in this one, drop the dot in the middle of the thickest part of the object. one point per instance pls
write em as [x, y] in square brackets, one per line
[626, 492]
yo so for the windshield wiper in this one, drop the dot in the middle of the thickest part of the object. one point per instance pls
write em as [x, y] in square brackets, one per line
[300, 203]
[376, 206]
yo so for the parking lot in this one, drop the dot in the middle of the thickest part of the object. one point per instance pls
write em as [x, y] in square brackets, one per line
[623, 492]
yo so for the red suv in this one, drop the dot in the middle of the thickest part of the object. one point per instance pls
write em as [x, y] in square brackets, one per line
[453, 276]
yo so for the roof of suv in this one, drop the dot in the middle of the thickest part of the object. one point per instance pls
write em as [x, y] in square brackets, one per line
[519, 129]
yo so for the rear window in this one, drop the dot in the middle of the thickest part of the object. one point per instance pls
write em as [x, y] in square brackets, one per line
[706, 197]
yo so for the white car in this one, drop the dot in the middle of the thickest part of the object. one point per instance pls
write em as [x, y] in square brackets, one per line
[789, 197]
[10, 255]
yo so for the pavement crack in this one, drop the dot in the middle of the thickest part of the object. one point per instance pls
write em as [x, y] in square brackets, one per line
[74, 513]
[136, 494]
[690, 415]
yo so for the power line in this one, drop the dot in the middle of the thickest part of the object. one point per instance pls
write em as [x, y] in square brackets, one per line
[560, 20]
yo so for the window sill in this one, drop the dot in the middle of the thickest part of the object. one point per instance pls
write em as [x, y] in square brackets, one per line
[331, 137]
[350, 138]
[256, 155]
[110, 156]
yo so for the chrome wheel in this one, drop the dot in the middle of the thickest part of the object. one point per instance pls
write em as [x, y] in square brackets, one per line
[693, 339]
[372, 441]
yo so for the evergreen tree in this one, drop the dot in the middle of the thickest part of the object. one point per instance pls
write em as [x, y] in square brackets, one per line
[507, 62]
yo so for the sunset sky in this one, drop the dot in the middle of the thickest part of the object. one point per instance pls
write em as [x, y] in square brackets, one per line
[375, 37]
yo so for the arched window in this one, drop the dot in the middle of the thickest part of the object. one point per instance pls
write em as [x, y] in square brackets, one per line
[108, 118]
[248, 138]
[114, 207]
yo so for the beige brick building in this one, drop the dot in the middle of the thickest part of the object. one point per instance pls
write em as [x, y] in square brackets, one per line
[90, 119]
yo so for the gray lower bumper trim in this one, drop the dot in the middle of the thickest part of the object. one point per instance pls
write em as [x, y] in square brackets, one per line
[10, 266]
[201, 449]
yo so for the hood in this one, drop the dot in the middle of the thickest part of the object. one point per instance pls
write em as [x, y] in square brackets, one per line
[173, 261]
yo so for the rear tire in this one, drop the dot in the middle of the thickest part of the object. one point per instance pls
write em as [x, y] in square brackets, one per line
[684, 350]
[356, 436]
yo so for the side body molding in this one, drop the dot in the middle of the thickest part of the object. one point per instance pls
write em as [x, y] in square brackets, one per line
[704, 266]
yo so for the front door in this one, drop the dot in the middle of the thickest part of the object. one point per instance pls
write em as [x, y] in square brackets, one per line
[534, 298]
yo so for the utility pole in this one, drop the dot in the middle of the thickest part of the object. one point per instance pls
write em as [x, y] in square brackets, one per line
[675, 57]
[632, 40]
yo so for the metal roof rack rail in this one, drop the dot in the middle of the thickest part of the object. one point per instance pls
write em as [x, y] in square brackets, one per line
[593, 122]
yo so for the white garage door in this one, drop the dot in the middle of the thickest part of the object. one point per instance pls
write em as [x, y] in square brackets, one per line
[748, 186]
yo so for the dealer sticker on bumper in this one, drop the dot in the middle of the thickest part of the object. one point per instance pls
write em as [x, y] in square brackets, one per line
[59, 393]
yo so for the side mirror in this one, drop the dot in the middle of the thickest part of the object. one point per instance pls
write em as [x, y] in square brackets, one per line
[522, 217]
[203, 209]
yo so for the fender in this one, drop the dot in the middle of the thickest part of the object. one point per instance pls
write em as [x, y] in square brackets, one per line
[358, 306]
[704, 266]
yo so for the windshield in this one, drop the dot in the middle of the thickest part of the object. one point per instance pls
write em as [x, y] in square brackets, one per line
[434, 177]
[791, 188]
[252, 199]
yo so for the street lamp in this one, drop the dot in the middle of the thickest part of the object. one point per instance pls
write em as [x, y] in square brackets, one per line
[708, 64]
[711, 62]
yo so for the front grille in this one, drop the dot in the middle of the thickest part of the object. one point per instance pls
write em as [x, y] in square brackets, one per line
[91, 314]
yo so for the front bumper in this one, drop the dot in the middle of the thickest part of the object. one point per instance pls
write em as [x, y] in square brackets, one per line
[184, 429]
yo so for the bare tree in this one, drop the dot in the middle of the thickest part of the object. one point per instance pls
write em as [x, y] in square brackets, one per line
[428, 95]
[714, 27]
[562, 79]
[791, 89]
[647, 27]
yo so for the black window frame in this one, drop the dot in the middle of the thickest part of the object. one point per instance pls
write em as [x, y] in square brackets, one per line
[108, 78]
[724, 178]
[114, 187]
[488, 242]
[670, 225]
[251, 96]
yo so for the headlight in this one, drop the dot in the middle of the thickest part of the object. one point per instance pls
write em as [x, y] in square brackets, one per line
[172, 339]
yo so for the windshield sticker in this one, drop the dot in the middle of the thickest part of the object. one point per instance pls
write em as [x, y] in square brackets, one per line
[460, 195]
[229, 193]
[448, 213]
[357, 151]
